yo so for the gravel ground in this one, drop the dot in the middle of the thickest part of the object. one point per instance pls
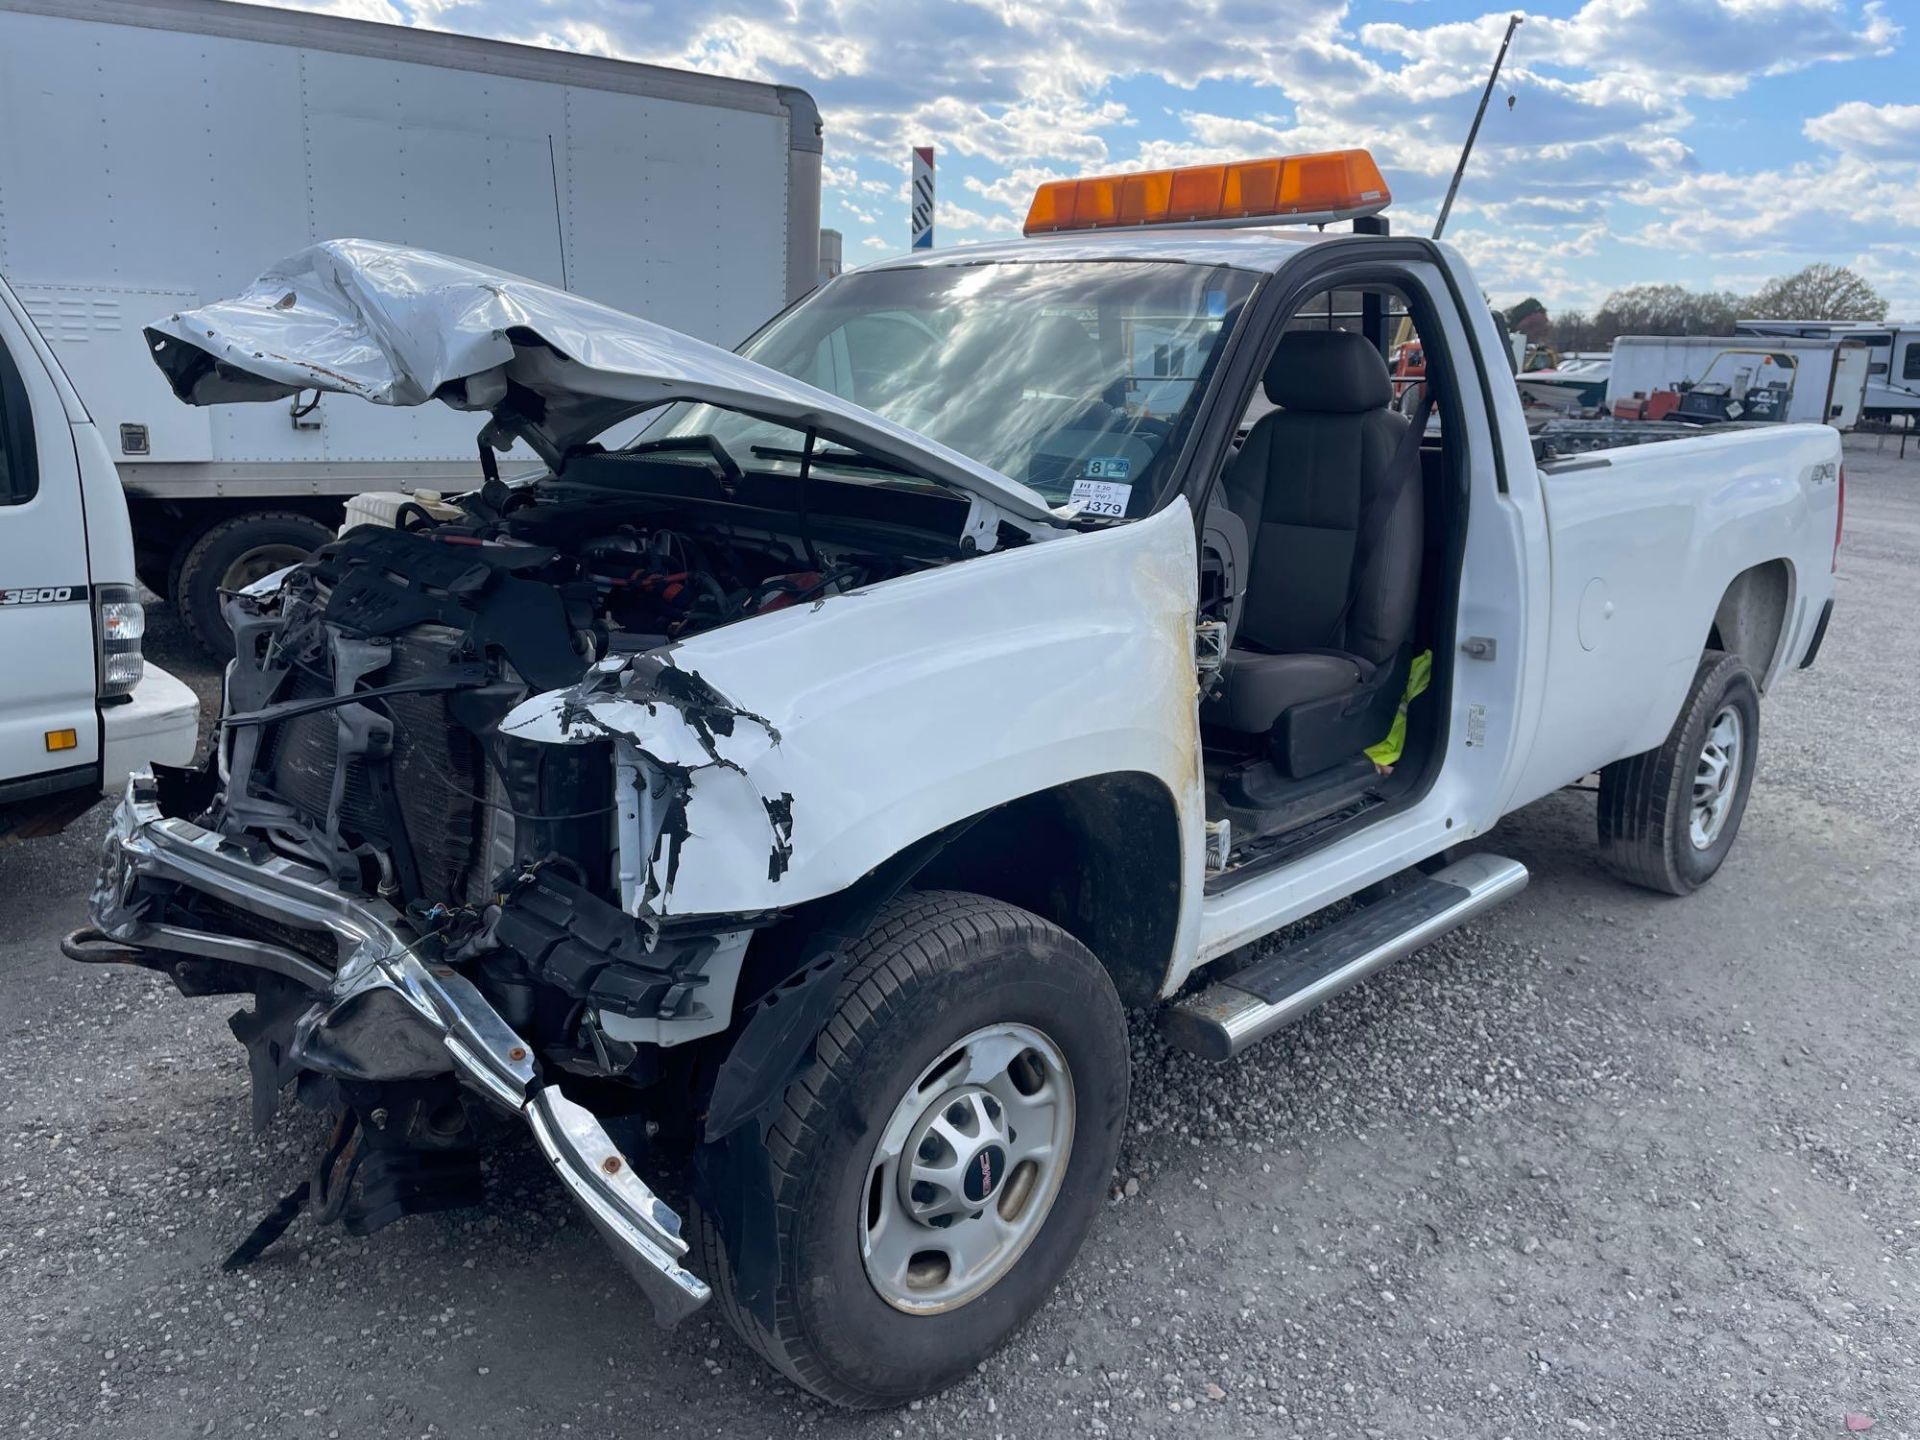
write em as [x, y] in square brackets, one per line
[1603, 1164]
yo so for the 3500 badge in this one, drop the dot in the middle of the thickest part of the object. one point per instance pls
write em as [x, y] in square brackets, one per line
[42, 595]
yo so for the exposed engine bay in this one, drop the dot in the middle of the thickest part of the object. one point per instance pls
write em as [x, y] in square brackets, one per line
[363, 728]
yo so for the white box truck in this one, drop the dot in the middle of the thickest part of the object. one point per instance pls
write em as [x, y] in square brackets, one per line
[1745, 378]
[152, 150]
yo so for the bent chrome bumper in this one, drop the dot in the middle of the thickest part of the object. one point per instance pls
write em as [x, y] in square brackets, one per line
[148, 853]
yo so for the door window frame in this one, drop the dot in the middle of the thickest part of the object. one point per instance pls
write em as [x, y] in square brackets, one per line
[17, 442]
[1303, 285]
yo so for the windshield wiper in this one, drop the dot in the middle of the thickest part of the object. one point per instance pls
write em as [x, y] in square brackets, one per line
[845, 459]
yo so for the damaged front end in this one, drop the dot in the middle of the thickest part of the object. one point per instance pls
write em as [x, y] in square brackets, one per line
[491, 819]
[353, 999]
[442, 883]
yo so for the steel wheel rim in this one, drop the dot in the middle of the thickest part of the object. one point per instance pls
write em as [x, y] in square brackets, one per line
[966, 1169]
[1716, 777]
[260, 562]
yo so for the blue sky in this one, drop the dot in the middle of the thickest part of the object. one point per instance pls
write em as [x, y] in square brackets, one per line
[1710, 142]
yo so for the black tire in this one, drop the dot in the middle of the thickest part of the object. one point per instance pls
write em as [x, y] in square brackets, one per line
[933, 968]
[1646, 801]
[205, 564]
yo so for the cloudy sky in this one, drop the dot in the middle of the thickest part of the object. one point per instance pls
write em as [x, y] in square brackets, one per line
[1711, 142]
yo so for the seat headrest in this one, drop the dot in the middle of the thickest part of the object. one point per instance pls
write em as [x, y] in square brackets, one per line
[1331, 371]
[1063, 342]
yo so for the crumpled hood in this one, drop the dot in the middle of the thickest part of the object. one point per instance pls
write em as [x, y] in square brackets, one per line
[399, 326]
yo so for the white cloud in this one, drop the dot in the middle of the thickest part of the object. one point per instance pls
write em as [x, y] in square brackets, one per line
[948, 217]
[1670, 48]
[1511, 265]
[1893, 270]
[1592, 177]
[1885, 132]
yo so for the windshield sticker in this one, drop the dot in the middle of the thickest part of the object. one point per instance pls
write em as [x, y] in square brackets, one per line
[1216, 304]
[1109, 467]
[1101, 497]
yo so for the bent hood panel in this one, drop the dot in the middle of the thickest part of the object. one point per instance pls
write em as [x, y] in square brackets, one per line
[398, 326]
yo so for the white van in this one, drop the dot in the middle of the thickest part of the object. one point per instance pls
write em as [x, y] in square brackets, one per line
[80, 709]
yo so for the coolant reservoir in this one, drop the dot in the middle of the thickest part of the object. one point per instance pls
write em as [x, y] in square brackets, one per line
[382, 508]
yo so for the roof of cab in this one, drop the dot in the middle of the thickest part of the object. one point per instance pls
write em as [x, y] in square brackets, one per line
[1258, 248]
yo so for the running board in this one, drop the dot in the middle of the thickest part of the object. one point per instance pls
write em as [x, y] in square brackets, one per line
[1251, 1004]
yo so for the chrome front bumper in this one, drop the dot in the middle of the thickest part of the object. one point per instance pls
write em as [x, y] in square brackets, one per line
[376, 952]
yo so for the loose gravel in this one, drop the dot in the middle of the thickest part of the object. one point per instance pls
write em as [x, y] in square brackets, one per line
[1602, 1164]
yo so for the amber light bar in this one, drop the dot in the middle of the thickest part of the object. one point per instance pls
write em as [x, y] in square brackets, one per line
[1286, 189]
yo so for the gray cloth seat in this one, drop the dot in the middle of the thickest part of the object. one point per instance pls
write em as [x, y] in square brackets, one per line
[1319, 620]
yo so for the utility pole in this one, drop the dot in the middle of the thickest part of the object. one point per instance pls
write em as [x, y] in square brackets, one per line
[1513, 24]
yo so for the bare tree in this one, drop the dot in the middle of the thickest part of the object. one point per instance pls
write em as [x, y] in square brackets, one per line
[1575, 330]
[1819, 292]
[1667, 310]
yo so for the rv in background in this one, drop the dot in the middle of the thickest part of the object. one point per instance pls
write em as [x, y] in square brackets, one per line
[1893, 357]
[157, 150]
[1743, 378]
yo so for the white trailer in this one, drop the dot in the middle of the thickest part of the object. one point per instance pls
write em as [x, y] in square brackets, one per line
[152, 150]
[1893, 356]
[1782, 378]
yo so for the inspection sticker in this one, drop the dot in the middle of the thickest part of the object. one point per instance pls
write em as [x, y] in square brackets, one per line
[1101, 497]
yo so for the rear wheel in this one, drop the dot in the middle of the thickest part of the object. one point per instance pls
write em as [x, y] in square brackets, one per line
[1669, 817]
[937, 1165]
[231, 555]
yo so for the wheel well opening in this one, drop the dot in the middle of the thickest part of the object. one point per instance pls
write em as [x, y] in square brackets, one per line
[1751, 619]
[1099, 857]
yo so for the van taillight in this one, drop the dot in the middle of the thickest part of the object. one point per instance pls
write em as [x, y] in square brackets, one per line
[1839, 518]
[118, 624]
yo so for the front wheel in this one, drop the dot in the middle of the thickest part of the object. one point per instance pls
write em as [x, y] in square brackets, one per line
[1669, 817]
[937, 1165]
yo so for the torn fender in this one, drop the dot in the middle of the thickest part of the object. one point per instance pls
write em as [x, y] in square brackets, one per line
[806, 747]
[681, 750]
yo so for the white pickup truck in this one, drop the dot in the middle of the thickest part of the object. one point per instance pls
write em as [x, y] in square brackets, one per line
[81, 708]
[1000, 638]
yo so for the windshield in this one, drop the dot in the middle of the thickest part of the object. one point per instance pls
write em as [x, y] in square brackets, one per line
[1078, 379]
[1742, 370]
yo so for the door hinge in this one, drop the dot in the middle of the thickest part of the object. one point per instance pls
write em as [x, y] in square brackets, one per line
[1478, 647]
[1209, 651]
[1219, 845]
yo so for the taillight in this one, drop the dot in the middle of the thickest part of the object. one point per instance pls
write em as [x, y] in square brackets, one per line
[1839, 518]
[118, 624]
